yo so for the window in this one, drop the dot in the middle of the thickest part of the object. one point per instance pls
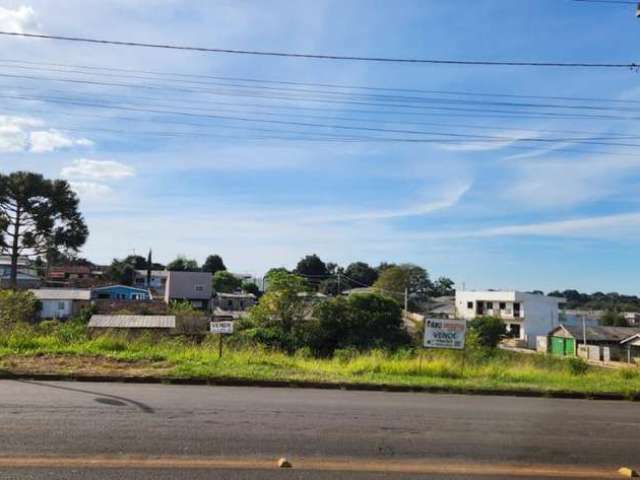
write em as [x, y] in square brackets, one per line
[516, 309]
[470, 305]
[503, 305]
[489, 305]
[199, 288]
[60, 305]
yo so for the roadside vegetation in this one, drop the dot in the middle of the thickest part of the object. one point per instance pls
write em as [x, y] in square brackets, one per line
[291, 336]
[66, 348]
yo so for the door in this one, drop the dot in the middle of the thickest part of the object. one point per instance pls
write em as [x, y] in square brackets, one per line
[570, 347]
[557, 346]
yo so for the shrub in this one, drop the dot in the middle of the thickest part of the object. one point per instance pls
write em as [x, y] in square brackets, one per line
[48, 327]
[344, 355]
[488, 331]
[16, 307]
[577, 366]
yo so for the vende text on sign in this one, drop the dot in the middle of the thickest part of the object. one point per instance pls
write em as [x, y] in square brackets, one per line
[221, 327]
[444, 333]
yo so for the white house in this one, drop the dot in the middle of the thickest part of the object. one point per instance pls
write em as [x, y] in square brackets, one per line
[61, 302]
[526, 315]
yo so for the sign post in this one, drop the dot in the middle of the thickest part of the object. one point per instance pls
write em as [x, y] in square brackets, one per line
[445, 333]
[222, 329]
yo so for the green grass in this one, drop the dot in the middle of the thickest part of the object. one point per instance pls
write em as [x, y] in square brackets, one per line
[499, 370]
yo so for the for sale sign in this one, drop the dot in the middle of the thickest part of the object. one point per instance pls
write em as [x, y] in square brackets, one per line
[444, 333]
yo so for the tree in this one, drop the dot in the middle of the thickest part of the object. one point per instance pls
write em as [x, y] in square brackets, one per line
[138, 262]
[312, 266]
[360, 274]
[488, 331]
[393, 281]
[443, 287]
[121, 271]
[213, 264]
[225, 282]
[612, 318]
[183, 264]
[37, 217]
[282, 305]
[250, 287]
[361, 321]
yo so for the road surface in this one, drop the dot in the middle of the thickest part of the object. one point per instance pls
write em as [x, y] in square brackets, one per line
[108, 430]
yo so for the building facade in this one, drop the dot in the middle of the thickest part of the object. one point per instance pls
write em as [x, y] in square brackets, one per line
[193, 287]
[120, 292]
[526, 315]
[61, 303]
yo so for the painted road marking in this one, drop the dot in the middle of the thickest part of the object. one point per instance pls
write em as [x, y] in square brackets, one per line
[315, 464]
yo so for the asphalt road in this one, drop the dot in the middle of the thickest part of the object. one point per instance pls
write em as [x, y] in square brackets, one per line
[95, 430]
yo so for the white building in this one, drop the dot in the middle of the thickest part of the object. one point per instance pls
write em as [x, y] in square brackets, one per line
[61, 303]
[526, 315]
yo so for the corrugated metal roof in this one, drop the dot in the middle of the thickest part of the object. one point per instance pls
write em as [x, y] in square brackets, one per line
[62, 293]
[602, 334]
[132, 321]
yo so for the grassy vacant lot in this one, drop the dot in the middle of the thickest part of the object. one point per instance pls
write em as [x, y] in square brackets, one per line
[66, 349]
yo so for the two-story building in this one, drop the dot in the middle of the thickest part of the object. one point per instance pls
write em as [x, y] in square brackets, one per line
[193, 287]
[526, 315]
[156, 281]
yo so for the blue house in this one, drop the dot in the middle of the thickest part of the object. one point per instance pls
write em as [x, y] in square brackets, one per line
[120, 292]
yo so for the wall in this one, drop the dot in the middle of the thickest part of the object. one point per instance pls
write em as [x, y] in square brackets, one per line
[540, 317]
[50, 309]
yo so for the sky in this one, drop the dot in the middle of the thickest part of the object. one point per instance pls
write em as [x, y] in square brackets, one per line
[497, 177]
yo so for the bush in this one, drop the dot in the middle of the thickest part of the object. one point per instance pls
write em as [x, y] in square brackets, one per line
[577, 366]
[487, 331]
[16, 307]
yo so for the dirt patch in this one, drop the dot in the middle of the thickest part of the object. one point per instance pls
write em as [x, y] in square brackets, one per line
[82, 365]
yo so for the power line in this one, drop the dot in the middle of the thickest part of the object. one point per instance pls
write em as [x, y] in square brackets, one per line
[320, 125]
[28, 64]
[511, 63]
[258, 94]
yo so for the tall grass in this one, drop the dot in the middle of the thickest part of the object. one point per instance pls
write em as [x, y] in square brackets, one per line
[480, 369]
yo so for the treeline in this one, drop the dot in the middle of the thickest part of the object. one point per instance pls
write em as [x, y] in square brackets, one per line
[598, 301]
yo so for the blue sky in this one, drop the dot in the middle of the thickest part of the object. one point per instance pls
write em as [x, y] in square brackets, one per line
[503, 213]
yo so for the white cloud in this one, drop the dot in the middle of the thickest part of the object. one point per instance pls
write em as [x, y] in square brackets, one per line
[49, 140]
[86, 169]
[90, 190]
[17, 134]
[19, 20]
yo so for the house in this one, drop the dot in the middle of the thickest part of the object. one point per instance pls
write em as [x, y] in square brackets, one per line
[231, 306]
[62, 273]
[133, 324]
[526, 315]
[61, 303]
[120, 292]
[441, 307]
[27, 274]
[604, 343]
[194, 287]
[157, 281]
[234, 301]
[631, 345]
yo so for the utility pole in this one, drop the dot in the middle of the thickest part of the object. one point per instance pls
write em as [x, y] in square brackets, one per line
[584, 336]
[406, 300]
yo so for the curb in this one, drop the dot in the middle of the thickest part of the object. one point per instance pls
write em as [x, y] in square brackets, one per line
[367, 387]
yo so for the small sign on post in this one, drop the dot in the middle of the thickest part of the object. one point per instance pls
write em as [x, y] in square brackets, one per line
[222, 329]
[444, 333]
